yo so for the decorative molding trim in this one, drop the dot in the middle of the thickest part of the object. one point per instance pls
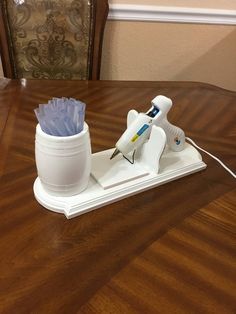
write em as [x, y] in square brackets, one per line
[150, 13]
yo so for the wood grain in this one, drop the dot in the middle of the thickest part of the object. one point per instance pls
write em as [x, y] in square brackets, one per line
[168, 250]
[5, 104]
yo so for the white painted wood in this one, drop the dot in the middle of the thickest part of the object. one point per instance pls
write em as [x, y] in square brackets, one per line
[109, 173]
[149, 154]
[150, 13]
[173, 165]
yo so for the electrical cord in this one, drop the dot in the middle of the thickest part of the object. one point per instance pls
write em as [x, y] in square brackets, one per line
[214, 157]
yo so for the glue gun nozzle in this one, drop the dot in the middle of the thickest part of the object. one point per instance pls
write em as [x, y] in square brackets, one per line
[116, 152]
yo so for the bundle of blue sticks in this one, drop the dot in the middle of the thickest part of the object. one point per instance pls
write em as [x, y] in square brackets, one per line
[61, 116]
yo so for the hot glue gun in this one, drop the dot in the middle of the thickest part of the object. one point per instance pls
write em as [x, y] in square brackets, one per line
[140, 128]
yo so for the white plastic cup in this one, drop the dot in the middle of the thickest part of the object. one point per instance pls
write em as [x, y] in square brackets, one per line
[63, 163]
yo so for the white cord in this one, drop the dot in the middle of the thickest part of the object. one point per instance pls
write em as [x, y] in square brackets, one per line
[214, 157]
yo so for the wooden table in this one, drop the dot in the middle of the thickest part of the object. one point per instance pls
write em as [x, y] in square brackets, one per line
[168, 250]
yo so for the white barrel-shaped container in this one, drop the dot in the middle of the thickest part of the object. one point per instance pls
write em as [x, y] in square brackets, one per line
[63, 163]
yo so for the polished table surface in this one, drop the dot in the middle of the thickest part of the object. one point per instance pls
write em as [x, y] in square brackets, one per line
[170, 249]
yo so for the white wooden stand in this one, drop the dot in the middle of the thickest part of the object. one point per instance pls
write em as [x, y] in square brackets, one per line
[112, 180]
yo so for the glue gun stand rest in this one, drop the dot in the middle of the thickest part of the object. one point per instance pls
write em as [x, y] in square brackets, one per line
[155, 163]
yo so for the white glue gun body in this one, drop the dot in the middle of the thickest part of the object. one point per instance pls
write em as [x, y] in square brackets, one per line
[175, 136]
[138, 130]
[136, 134]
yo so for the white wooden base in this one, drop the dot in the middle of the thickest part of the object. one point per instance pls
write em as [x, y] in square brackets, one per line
[119, 179]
